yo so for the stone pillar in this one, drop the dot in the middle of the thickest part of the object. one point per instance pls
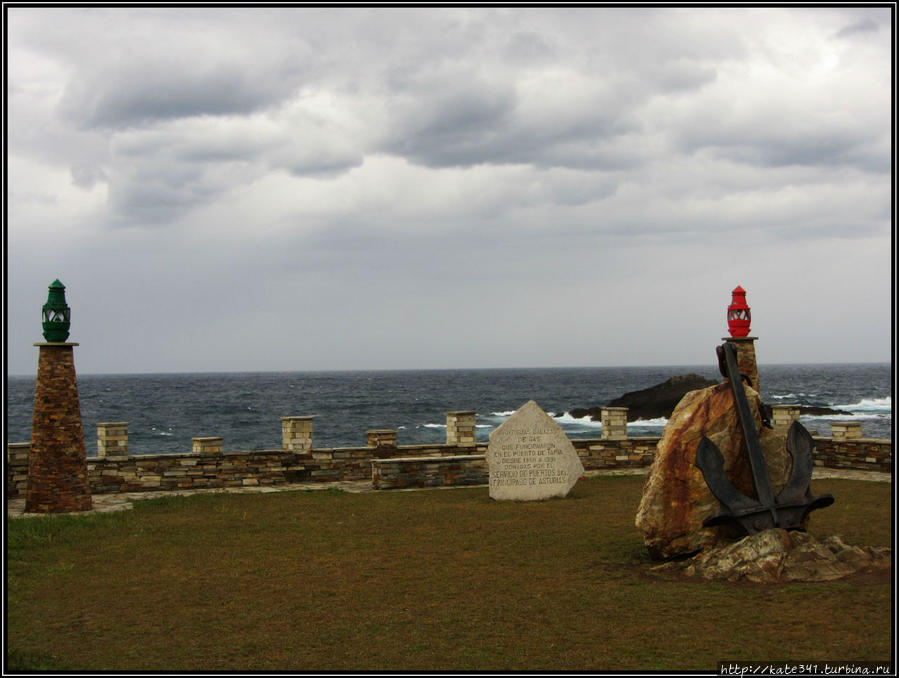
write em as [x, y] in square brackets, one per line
[296, 434]
[17, 453]
[746, 359]
[783, 416]
[112, 440]
[207, 445]
[57, 465]
[382, 438]
[460, 428]
[614, 423]
[848, 430]
[17, 468]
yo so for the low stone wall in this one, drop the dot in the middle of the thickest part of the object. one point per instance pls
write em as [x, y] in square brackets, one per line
[471, 469]
[207, 466]
[400, 472]
[863, 454]
[625, 453]
[204, 469]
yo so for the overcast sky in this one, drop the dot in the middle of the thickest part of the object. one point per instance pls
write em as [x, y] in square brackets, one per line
[300, 189]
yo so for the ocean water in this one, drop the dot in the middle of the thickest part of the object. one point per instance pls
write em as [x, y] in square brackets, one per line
[165, 411]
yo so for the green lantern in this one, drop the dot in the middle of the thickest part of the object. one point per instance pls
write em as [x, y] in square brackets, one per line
[56, 314]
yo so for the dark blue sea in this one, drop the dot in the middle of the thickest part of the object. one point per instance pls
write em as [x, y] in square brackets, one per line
[166, 410]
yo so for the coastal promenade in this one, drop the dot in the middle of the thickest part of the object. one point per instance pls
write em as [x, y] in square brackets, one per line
[108, 503]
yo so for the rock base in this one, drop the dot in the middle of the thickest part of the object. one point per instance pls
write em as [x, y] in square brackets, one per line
[779, 556]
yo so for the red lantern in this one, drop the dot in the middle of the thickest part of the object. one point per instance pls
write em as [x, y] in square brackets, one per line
[738, 315]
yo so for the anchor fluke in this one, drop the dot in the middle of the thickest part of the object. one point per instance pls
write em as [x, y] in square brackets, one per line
[792, 504]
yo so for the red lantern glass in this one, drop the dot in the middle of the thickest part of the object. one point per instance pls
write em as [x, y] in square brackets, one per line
[738, 315]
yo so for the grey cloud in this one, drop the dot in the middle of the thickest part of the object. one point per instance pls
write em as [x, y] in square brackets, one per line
[682, 75]
[486, 122]
[87, 175]
[151, 196]
[142, 95]
[867, 25]
[442, 129]
[779, 148]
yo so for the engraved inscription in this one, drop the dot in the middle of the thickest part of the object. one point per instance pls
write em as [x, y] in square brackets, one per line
[529, 457]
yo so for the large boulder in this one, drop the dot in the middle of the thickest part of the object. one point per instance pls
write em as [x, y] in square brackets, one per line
[776, 556]
[676, 499]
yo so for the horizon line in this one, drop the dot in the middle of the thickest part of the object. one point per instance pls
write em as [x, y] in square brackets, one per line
[450, 369]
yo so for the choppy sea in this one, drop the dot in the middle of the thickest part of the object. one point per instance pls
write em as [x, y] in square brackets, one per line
[165, 411]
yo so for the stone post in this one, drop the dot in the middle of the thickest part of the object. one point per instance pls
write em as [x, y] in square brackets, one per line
[57, 465]
[460, 426]
[112, 440]
[849, 430]
[296, 434]
[17, 453]
[783, 416]
[209, 445]
[746, 359]
[17, 468]
[382, 438]
[614, 423]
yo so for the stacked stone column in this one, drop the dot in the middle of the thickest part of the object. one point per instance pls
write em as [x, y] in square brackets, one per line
[207, 445]
[849, 430]
[57, 465]
[783, 416]
[614, 423]
[746, 359]
[112, 440]
[382, 438]
[296, 434]
[460, 428]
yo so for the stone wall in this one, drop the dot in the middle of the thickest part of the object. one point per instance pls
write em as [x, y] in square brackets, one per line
[622, 453]
[399, 472]
[863, 454]
[462, 462]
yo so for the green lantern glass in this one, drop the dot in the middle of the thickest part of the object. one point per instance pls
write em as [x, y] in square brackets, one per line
[56, 314]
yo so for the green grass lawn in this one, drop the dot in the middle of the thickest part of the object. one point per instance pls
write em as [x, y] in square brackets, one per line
[432, 580]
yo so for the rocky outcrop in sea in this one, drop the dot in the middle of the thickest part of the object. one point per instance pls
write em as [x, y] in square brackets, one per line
[659, 401]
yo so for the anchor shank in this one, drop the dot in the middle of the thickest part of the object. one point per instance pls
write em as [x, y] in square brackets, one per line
[754, 448]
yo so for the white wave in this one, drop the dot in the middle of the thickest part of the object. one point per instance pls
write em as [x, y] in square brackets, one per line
[434, 425]
[567, 420]
[789, 395]
[484, 426]
[659, 421]
[857, 416]
[508, 413]
[869, 405]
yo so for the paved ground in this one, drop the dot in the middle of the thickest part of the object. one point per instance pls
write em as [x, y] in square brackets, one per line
[106, 503]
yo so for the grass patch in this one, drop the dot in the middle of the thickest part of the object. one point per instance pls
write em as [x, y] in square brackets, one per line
[439, 580]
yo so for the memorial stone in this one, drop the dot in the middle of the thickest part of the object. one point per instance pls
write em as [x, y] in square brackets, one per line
[530, 458]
